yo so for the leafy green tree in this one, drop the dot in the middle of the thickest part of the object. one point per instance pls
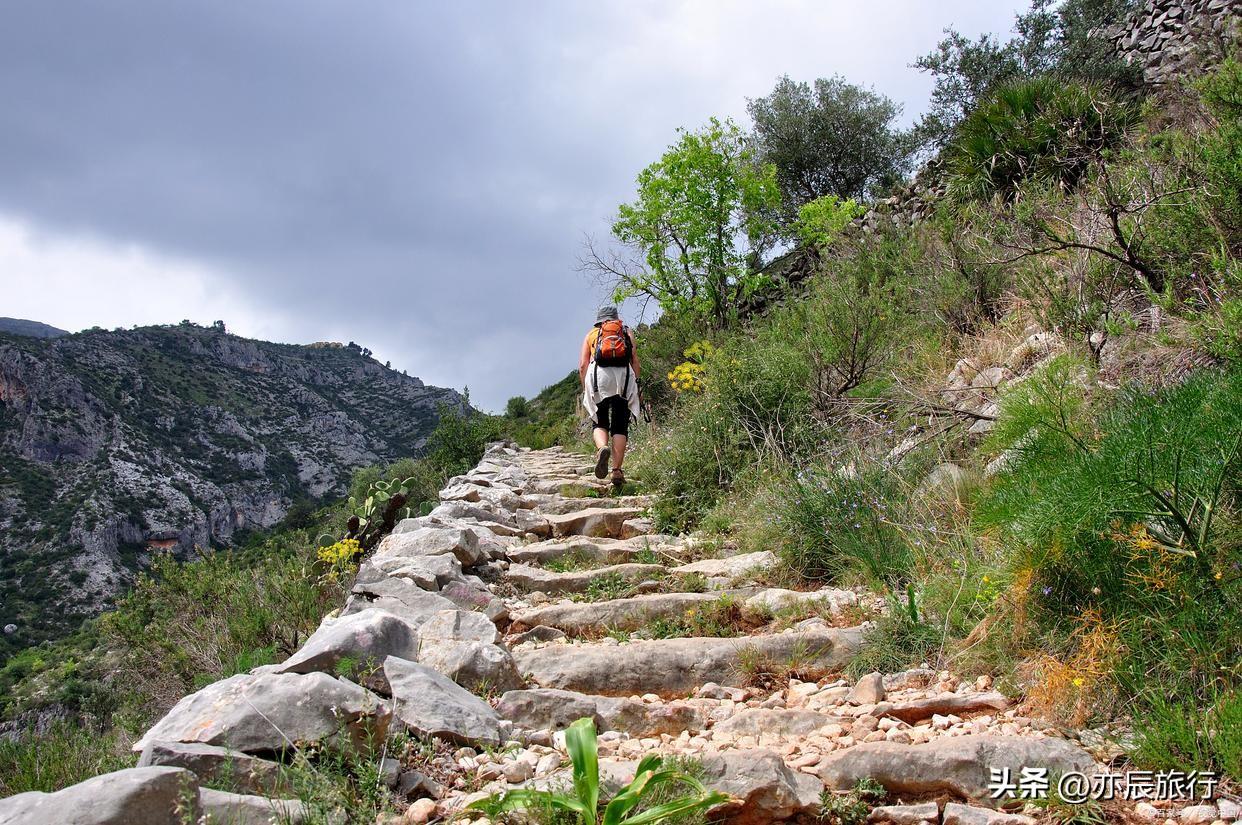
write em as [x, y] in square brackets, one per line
[699, 220]
[834, 138]
[517, 407]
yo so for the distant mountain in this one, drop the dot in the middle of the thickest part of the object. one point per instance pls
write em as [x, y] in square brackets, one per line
[116, 445]
[31, 329]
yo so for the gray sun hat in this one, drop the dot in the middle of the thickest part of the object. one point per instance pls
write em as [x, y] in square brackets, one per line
[606, 313]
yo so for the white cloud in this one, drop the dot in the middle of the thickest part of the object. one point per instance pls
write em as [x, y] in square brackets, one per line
[79, 281]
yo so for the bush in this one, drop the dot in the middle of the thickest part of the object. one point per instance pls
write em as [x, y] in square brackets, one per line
[842, 525]
[820, 221]
[517, 407]
[1043, 130]
[64, 754]
[1126, 529]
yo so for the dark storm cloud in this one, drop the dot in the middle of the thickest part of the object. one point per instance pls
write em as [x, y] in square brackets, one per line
[418, 176]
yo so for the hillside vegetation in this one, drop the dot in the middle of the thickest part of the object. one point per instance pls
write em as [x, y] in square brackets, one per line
[1017, 413]
[1007, 398]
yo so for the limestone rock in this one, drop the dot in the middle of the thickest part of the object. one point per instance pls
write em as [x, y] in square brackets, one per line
[868, 690]
[135, 796]
[396, 594]
[576, 581]
[764, 788]
[473, 665]
[593, 521]
[430, 541]
[958, 765]
[270, 712]
[365, 638]
[621, 614]
[920, 709]
[551, 709]
[431, 704]
[210, 762]
[671, 667]
[729, 566]
[459, 625]
[957, 814]
[927, 812]
[222, 808]
[775, 721]
[775, 599]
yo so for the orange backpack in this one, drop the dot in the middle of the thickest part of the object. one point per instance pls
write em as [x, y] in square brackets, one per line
[612, 344]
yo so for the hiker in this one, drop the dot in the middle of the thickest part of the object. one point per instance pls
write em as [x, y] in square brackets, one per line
[608, 367]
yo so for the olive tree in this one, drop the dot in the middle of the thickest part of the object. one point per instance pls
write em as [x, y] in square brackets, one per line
[833, 138]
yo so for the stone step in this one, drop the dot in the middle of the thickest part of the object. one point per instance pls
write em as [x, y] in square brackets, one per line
[531, 579]
[553, 710]
[605, 522]
[729, 566]
[612, 551]
[676, 667]
[559, 505]
[577, 618]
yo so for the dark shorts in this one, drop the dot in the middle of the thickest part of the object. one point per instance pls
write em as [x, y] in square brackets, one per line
[613, 415]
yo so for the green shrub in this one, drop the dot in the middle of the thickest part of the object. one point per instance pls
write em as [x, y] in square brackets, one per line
[1128, 525]
[1174, 733]
[820, 221]
[1043, 130]
[842, 525]
[64, 754]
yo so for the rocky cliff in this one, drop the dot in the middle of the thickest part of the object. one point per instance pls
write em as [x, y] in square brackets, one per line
[117, 445]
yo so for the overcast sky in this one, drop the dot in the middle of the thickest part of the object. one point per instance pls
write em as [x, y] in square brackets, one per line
[412, 176]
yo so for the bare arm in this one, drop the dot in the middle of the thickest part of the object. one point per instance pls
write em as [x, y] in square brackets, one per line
[584, 360]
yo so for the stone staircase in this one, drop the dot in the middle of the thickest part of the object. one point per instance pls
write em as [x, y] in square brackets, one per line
[529, 598]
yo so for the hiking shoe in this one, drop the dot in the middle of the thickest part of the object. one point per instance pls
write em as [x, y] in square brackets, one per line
[601, 462]
[618, 479]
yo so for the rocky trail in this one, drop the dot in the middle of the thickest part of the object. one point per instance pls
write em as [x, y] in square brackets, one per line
[530, 598]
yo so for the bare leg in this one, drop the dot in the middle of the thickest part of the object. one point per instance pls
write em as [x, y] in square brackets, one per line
[601, 437]
[618, 451]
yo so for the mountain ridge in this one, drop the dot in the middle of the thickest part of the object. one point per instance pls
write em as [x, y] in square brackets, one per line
[118, 445]
[30, 329]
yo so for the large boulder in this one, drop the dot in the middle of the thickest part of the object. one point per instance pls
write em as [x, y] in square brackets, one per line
[958, 765]
[223, 808]
[213, 763]
[428, 572]
[675, 667]
[431, 704]
[269, 712]
[396, 594]
[551, 709]
[135, 796]
[763, 787]
[365, 639]
[430, 541]
[474, 665]
[458, 625]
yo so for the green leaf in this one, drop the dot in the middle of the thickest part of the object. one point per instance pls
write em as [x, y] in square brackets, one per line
[584, 753]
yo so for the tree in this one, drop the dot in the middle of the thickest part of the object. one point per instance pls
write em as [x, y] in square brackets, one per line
[702, 210]
[1050, 39]
[834, 139]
